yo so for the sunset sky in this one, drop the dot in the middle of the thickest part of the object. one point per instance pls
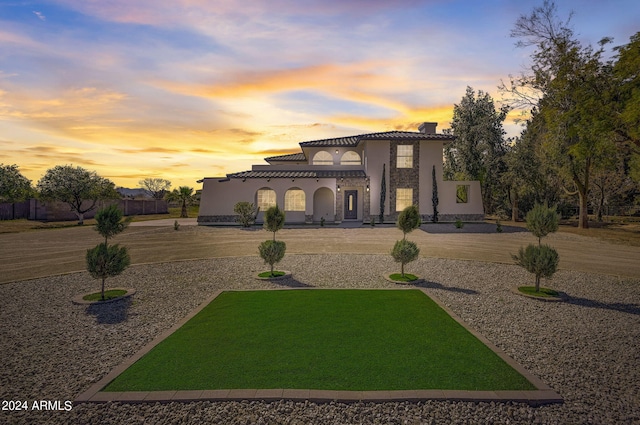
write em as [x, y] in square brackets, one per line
[186, 89]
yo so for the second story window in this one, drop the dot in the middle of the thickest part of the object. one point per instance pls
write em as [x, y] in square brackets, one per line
[350, 158]
[322, 158]
[405, 156]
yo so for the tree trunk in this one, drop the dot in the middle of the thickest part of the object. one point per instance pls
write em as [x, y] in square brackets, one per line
[583, 218]
[103, 289]
[183, 213]
[537, 283]
[402, 269]
[514, 207]
[80, 218]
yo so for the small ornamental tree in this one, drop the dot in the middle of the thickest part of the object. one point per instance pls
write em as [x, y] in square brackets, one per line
[105, 261]
[109, 222]
[14, 187]
[247, 213]
[542, 220]
[405, 251]
[541, 260]
[409, 220]
[273, 220]
[272, 251]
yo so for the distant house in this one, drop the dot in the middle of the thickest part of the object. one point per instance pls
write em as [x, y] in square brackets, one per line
[340, 180]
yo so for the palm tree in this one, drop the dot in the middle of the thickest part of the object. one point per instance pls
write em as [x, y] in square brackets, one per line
[183, 194]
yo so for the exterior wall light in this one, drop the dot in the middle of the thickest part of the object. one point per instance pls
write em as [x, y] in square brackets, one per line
[367, 188]
[338, 188]
[337, 151]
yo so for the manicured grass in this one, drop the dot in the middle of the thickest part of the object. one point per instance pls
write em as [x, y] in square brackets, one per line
[321, 339]
[276, 273]
[408, 277]
[108, 295]
[544, 292]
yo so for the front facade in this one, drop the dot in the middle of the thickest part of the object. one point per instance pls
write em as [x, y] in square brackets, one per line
[342, 179]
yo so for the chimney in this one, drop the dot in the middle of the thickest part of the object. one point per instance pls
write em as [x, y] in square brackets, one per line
[428, 127]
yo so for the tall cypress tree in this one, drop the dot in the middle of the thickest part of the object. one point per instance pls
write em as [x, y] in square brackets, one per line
[434, 195]
[383, 193]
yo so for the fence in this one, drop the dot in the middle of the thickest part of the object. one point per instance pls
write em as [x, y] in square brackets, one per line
[34, 209]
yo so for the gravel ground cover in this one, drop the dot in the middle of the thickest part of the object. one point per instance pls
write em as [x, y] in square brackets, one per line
[586, 349]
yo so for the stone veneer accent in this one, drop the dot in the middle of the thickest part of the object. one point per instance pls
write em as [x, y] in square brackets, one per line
[352, 182]
[402, 177]
[217, 219]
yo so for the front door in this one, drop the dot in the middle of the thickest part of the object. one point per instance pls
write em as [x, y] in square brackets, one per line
[350, 204]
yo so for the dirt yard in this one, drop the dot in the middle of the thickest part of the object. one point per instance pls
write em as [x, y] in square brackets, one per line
[31, 254]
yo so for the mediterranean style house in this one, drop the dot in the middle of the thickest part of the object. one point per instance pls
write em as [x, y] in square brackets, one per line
[342, 179]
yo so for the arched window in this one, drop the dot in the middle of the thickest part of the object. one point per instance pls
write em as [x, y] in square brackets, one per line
[294, 200]
[350, 158]
[265, 198]
[322, 158]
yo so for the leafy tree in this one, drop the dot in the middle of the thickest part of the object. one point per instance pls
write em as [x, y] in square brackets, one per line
[478, 150]
[569, 86]
[247, 213]
[105, 261]
[272, 251]
[183, 195]
[404, 252]
[81, 189]
[273, 220]
[626, 97]
[434, 195]
[383, 193]
[541, 260]
[409, 220]
[157, 188]
[14, 187]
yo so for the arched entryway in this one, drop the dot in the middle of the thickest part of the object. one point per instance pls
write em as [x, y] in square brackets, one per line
[323, 205]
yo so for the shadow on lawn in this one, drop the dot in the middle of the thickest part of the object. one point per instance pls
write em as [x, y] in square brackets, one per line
[621, 307]
[111, 313]
[435, 285]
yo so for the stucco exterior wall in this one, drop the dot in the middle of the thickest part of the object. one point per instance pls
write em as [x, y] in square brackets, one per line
[450, 209]
[219, 197]
[377, 154]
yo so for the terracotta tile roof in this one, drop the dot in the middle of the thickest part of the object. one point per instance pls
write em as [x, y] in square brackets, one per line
[289, 157]
[353, 141]
[296, 174]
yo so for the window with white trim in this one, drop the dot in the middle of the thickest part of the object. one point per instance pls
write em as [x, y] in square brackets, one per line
[322, 158]
[265, 199]
[404, 198]
[405, 156]
[294, 200]
[350, 158]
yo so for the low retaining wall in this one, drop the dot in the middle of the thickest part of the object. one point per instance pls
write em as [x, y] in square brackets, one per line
[34, 209]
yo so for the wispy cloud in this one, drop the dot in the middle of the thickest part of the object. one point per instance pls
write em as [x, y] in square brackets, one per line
[40, 15]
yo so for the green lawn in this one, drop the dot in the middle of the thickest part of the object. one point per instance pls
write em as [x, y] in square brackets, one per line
[321, 339]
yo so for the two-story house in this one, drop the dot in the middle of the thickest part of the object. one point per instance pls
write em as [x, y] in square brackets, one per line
[342, 179]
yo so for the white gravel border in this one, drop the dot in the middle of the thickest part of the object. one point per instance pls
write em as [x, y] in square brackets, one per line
[586, 348]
